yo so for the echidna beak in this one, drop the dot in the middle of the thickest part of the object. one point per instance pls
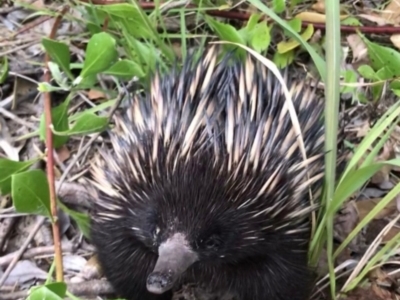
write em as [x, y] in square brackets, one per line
[174, 258]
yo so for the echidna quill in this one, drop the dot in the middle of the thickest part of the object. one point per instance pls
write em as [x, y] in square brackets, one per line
[206, 183]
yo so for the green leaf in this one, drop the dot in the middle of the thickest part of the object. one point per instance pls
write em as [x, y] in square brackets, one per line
[283, 59]
[295, 24]
[130, 17]
[51, 291]
[86, 83]
[278, 6]
[350, 76]
[8, 168]
[85, 124]
[121, 10]
[225, 31]
[59, 53]
[4, 68]
[46, 87]
[367, 72]
[294, 43]
[260, 37]
[125, 68]
[30, 192]
[383, 57]
[82, 220]
[351, 21]
[101, 53]
[61, 80]
[253, 20]
[318, 60]
[59, 117]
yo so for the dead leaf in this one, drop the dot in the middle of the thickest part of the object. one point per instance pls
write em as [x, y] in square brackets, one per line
[381, 177]
[364, 207]
[358, 48]
[364, 293]
[395, 39]
[95, 94]
[91, 270]
[375, 18]
[63, 153]
[345, 221]
[74, 263]
[315, 17]
[6, 143]
[319, 6]
[39, 4]
[25, 271]
[392, 12]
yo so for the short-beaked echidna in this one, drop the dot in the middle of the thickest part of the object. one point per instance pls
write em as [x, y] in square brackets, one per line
[206, 183]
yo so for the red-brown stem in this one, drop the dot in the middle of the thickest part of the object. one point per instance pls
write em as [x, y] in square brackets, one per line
[50, 159]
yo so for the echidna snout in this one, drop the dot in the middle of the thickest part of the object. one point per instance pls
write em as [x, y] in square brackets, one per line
[174, 257]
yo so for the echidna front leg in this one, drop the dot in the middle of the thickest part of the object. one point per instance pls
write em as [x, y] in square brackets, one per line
[269, 278]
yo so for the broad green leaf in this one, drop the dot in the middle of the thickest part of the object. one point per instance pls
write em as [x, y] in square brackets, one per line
[278, 6]
[59, 53]
[46, 87]
[253, 20]
[85, 124]
[61, 80]
[85, 83]
[82, 220]
[284, 59]
[51, 291]
[367, 72]
[318, 60]
[225, 31]
[351, 21]
[293, 43]
[30, 192]
[383, 58]
[137, 28]
[260, 37]
[59, 117]
[126, 69]
[104, 105]
[295, 24]
[350, 76]
[101, 53]
[122, 10]
[7, 169]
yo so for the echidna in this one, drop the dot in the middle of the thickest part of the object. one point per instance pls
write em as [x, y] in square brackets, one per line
[206, 183]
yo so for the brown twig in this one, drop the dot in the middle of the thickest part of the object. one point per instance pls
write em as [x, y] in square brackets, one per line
[32, 252]
[50, 158]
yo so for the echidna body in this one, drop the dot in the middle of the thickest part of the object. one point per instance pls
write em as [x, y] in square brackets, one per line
[206, 182]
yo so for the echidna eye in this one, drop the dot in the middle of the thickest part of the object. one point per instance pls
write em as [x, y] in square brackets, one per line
[156, 231]
[212, 242]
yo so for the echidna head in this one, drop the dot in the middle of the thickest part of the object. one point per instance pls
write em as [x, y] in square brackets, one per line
[199, 214]
[189, 221]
